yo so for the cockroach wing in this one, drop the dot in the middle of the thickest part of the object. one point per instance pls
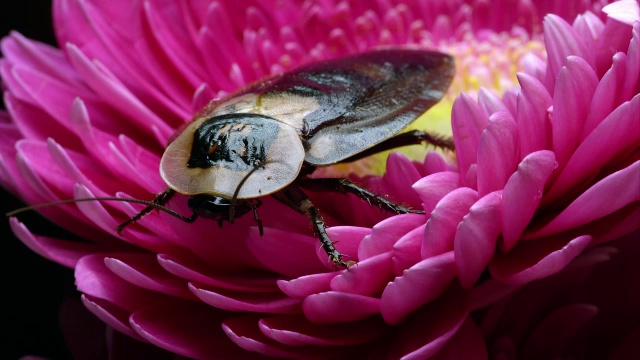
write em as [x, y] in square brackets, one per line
[361, 100]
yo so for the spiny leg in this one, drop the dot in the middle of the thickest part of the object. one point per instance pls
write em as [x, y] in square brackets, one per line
[296, 199]
[160, 199]
[346, 186]
[414, 137]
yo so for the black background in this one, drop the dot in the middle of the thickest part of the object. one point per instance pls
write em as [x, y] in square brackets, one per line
[34, 288]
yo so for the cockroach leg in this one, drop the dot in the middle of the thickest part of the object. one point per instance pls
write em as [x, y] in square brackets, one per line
[346, 186]
[414, 137]
[161, 199]
[295, 198]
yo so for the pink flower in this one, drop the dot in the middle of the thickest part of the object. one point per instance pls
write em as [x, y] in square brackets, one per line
[539, 175]
[588, 310]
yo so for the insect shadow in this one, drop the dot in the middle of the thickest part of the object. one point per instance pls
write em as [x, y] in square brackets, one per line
[267, 138]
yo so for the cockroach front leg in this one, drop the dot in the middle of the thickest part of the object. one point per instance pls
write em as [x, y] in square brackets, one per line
[161, 199]
[296, 199]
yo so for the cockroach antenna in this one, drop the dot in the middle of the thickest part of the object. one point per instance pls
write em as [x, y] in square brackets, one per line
[235, 193]
[129, 200]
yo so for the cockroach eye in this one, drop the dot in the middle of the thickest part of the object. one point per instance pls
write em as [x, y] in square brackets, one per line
[212, 149]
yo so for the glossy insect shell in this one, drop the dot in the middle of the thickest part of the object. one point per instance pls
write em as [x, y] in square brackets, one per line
[321, 113]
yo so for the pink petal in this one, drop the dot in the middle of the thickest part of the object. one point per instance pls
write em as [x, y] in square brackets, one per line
[193, 270]
[417, 286]
[386, 233]
[490, 102]
[523, 193]
[144, 271]
[632, 77]
[93, 278]
[535, 260]
[616, 135]
[467, 122]
[104, 83]
[347, 240]
[625, 11]
[286, 253]
[445, 316]
[443, 223]
[188, 329]
[467, 343]
[497, 153]
[534, 127]
[406, 252]
[272, 303]
[561, 42]
[298, 331]
[603, 198]
[476, 238]
[575, 86]
[63, 252]
[433, 163]
[339, 307]
[112, 315]
[401, 174]
[553, 335]
[435, 186]
[607, 95]
[588, 26]
[367, 278]
[41, 57]
[245, 333]
[306, 285]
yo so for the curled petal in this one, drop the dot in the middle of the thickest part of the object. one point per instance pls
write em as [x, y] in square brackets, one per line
[144, 271]
[523, 193]
[95, 279]
[605, 197]
[307, 285]
[185, 329]
[434, 187]
[272, 303]
[417, 286]
[534, 127]
[445, 316]
[576, 80]
[467, 121]
[111, 314]
[497, 153]
[66, 253]
[600, 147]
[625, 11]
[467, 343]
[298, 331]
[193, 270]
[247, 334]
[347, 240]
[386, 233]
[551, 336]
[368, 277]
[406, 252]
[535, 260]
[561, 42]
[339, 307]
[476, 238]
[286, 253]
[443, 223]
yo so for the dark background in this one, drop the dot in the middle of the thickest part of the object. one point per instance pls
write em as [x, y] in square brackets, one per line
[34, 288]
